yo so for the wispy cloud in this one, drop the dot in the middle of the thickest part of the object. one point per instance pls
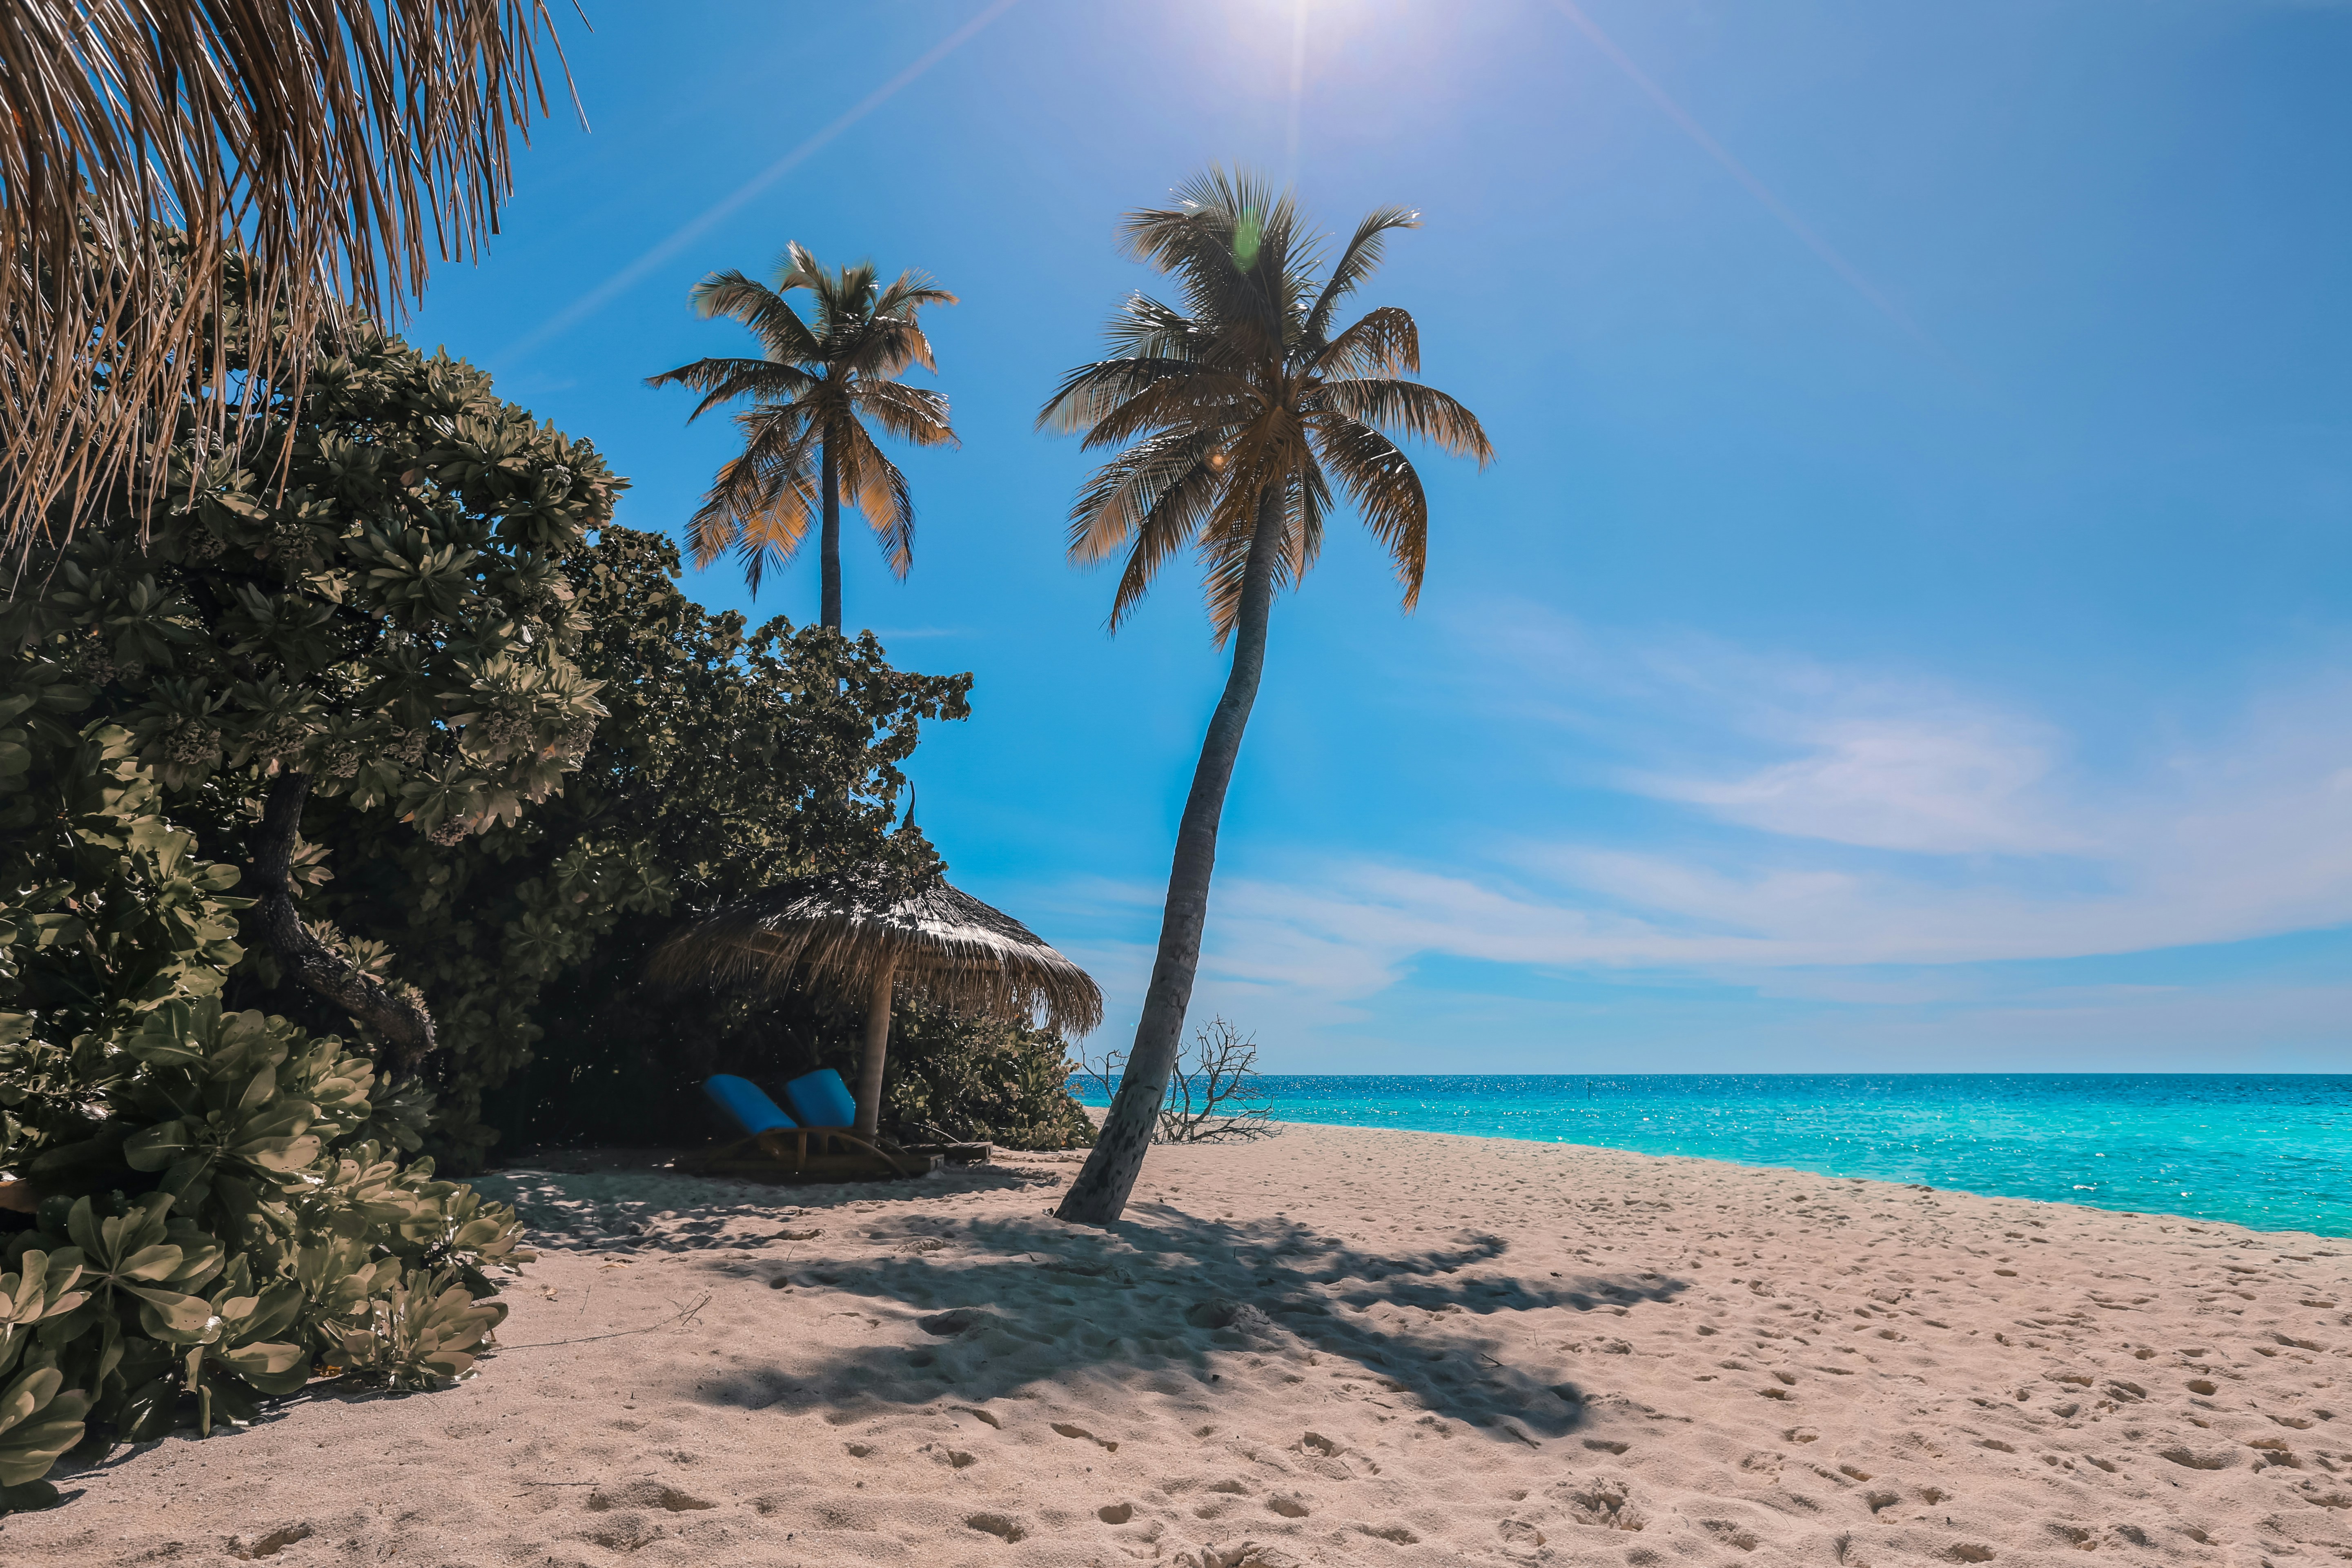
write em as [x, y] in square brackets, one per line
[1852, 818]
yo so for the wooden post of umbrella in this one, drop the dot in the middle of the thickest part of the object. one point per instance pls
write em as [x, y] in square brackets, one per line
[878, 1049]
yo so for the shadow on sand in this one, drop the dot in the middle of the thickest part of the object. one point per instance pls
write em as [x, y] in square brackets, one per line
[990, 1309]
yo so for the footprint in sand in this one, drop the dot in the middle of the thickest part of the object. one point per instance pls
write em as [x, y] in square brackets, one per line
[269, 1545]
[645, 1494]
[1605, 1504]
[1067, 1430]
[998, 1525]
[1116, 1512]
[1731, 1534]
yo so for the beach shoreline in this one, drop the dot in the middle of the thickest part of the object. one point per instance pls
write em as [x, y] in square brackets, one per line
[1337, 1345]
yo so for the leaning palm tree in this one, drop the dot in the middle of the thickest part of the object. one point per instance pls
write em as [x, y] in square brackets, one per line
[326, 150]
[1240, 419]
[805, 445]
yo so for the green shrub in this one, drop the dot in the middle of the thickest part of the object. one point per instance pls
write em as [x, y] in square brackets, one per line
[368, 619]
[223, 1212]
[980, 1080]
[731, 757]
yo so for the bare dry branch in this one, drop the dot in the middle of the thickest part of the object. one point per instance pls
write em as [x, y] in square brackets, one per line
[1213, 1096]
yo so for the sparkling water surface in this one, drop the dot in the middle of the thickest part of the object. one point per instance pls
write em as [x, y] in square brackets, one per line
[2270, 1151]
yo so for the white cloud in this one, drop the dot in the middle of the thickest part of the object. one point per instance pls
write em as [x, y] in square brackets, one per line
[1891, 783]
[1854, 848]
[1859, 819]
[1793, 746]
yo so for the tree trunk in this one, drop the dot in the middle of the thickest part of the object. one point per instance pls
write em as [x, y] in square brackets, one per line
[1099, 1195]
[828, 559]
[403, 1022]
[878, 1052]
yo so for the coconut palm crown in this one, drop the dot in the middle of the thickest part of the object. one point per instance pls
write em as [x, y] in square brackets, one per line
[806, 448]
[1240, 417]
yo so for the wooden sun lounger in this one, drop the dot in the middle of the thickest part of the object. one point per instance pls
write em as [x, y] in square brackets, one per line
[811, 1154]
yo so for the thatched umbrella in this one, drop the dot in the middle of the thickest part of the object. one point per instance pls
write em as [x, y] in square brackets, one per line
[941, 942]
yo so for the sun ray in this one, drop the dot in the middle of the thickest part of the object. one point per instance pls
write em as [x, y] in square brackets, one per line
[686, 234]
[1772, 202]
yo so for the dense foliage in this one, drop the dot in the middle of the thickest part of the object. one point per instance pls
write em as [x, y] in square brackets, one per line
[328, 795]
[225, 1212]
[737, 757]
[379, 626]
[734, 757]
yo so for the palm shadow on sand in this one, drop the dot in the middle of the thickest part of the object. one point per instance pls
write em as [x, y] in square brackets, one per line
[983, 1310]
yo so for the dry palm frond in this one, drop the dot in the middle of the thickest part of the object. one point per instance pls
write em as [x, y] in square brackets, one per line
[337, 146]
[940, 942]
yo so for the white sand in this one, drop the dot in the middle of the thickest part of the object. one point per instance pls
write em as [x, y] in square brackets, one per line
[1336, 1347]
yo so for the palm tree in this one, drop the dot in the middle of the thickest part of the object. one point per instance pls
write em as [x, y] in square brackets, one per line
[326, 148]
[1235, 416]
[803, 438]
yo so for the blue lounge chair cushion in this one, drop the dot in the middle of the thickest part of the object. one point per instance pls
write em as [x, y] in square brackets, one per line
[821, 1100]
[745, 1103]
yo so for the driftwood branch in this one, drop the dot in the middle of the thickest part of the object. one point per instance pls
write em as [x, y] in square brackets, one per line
[401, 1021]
[1212, 1091]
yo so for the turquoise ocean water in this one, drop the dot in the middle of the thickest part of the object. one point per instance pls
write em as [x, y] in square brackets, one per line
[2270, 1151]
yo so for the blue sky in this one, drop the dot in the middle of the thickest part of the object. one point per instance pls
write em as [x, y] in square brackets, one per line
[1908, 624]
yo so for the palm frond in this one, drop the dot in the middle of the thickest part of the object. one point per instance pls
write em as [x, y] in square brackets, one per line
[1094, 392]
[909, 292]
[1127, 493]
[765, 494]
[1204, 401]
[798, 267]
[1181, 508]
[1383, 341]
[314, 155]
[1146, 329]
[759, 506]
[873, 485]
[1365, 248]
[782, 332]
[914, 413]
[1386, 489]
[725, 379]
[884, 346]
[1420, 412]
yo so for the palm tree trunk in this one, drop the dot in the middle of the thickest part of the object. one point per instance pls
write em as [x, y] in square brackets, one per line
[1099, 1195]
[878, 1052]
[829, 544]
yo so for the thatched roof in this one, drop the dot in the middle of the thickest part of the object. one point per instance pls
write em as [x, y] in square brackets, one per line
[941, 943]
